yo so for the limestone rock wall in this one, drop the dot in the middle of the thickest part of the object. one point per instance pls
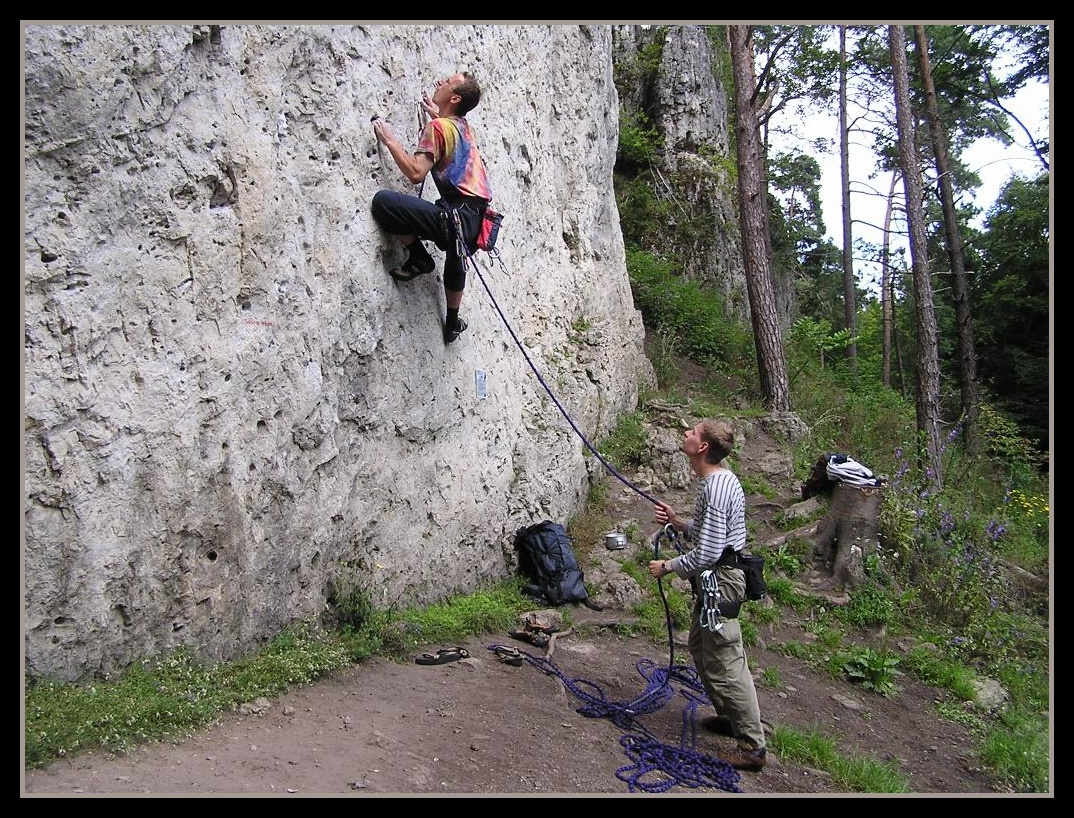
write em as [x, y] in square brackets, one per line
[692, 111]
[229, 406]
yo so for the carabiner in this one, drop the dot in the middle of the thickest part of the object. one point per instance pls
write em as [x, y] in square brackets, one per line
[667, 531]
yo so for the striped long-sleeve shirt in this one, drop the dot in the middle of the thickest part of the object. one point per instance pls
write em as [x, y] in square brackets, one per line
[719, 522]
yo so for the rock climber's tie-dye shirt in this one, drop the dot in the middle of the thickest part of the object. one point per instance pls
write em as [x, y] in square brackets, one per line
[457, 166]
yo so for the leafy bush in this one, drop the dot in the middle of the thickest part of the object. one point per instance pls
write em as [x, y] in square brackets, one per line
[628, 443]
[873, 670]
[639, 142]
[694, 318]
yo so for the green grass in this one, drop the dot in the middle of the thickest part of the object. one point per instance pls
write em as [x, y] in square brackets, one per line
[850, 773]
[171, 695]
[1016, 748]
[166, 696]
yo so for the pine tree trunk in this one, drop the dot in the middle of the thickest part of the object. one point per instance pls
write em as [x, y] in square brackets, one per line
[767, 333]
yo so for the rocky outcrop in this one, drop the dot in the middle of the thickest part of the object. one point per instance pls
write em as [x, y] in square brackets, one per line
[230, 410]
[677, 82]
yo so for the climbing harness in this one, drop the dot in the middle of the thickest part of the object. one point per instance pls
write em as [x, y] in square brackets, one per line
[656, 766]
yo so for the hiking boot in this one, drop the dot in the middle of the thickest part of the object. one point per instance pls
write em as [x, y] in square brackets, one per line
[453, 333]
[743, 759]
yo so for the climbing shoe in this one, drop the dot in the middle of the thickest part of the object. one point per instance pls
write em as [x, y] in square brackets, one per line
[418, 263]
[452, 333]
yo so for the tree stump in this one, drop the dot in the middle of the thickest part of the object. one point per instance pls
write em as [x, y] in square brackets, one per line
[848, 533]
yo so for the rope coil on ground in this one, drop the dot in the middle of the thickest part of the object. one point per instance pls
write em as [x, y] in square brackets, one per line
[671, 766]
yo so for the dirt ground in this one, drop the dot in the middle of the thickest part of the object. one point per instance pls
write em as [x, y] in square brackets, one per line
[556, 725]
[480, 726]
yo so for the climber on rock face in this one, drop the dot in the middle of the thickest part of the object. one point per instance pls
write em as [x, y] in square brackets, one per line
[447, 148]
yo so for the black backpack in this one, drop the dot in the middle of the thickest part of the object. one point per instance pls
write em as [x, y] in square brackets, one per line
[546, 560]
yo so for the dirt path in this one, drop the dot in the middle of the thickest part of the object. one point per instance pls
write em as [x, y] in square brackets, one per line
[481, 726]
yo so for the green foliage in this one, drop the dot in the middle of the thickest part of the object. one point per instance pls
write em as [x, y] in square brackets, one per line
[1016, 457]
[782, 591]
[663, 353]
[483, 611]
[963, 714]
[350, 603]
[869, 607]
[855, 773]
[770, 677]
[785, 559]
[640, 69]
[754, 486]
[818, 338]
[596, 497]
[639, 143]
[749, 631]
[795, 650]
[867, 422]
[928, 663]
[764, 614]
[652, 617]
[166, 694]
[643, 215]
[628, 443]
[694, 318]
[586, 529]
[579, 327]
[828, 634]
[1017, 749]
[1016, 744]
[874, 670]
[945, 547]
[1011, 303]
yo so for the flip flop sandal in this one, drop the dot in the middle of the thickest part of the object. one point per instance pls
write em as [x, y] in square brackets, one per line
[509, 656]
[443, 656]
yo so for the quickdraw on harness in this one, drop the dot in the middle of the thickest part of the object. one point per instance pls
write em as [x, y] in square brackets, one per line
[709, 618]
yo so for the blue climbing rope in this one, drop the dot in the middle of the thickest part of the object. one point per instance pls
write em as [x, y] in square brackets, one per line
[656, 766]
